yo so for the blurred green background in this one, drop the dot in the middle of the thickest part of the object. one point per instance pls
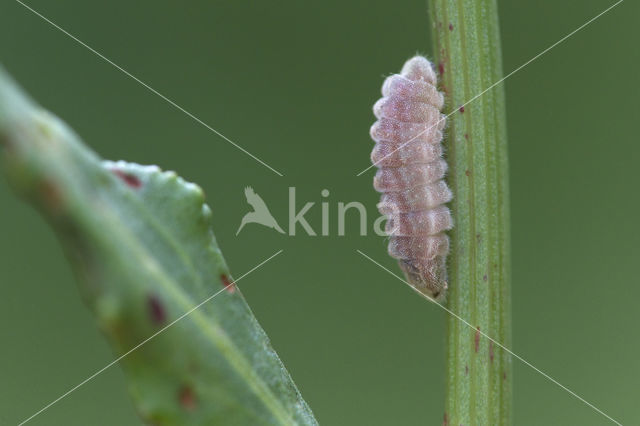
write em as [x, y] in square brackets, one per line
[293, 83]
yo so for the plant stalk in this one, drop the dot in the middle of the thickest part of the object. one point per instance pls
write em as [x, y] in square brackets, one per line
[468, 53]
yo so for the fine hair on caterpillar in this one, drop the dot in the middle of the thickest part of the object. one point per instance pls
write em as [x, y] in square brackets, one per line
[411, 170]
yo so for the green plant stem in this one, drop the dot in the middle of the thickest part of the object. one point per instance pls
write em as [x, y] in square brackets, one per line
[467, 46]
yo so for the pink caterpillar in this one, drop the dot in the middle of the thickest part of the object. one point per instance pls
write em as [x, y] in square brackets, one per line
[408, 151]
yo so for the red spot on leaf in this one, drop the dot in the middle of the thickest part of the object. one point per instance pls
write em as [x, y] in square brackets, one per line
[466, 136]
[228, 284]
[476, 339]
[51, 196]
[157, 313]
[461, 109]
[445, 422]
[467, 172]
[128, 178]
[441, 68]
[187, 398]
[450, 27]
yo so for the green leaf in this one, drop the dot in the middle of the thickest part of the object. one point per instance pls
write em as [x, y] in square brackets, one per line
[141, 244]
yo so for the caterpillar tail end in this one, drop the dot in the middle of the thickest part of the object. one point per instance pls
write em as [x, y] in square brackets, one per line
[427, 276]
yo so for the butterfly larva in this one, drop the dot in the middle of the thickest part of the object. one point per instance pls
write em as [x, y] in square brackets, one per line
[408, 152]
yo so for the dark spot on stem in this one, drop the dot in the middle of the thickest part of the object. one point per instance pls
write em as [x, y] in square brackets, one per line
[484, 278]
[157, 313]
[466, 370]
[128, 178]
[478, 238]
[228, 284]
[445, 422]
[450, 26]
[466, 136]
[467, 172]
[504, 375]
[476, 339]
[187, 398]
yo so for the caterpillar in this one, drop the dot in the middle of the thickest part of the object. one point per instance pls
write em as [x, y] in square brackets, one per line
[408, 153]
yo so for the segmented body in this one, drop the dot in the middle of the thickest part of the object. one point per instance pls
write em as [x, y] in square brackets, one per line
[408, 152]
